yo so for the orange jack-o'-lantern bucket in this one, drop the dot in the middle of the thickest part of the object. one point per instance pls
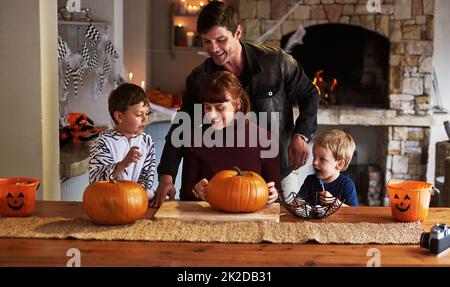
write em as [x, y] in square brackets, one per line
[18, 196]
[410, 199]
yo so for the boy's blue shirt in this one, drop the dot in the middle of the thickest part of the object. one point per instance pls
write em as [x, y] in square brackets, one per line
[342, 188]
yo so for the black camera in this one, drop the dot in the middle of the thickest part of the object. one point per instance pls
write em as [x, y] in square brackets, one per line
[437, 240]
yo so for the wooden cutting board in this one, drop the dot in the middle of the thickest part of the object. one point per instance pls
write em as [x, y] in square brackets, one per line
[202, 211]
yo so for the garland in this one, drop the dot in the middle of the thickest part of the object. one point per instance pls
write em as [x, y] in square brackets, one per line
[75, 67]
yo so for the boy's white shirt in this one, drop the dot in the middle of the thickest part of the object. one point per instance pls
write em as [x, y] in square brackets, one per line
[111, 147]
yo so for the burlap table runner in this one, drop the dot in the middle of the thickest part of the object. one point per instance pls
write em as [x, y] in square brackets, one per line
[237, 232]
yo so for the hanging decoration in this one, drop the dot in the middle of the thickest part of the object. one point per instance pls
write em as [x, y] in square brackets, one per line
[76, 67]
[62, 49]
[295, 39]
[92, 34]
[111, 50]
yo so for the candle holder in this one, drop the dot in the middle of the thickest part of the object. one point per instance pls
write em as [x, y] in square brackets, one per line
[180, 36]
[190, 38]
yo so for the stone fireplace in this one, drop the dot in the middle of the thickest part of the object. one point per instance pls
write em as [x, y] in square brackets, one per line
[394, 92]
[349, 61]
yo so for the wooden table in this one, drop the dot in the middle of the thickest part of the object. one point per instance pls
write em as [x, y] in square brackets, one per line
[37, 252]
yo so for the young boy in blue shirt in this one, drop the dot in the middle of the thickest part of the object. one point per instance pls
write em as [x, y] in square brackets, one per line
[332, 151]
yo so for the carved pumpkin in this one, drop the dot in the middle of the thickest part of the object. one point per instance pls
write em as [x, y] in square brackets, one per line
[115, 202]
[237, 191]
[410, 199]
[18, 196]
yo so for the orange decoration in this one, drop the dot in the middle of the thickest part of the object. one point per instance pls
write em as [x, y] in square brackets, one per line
[18, 196]
[237, 191]
[115, 202]
[410, 199]
[160, 98]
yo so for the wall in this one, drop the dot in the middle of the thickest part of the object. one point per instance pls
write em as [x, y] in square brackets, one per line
[168, 73]
[441, 63]
[137, 40]
[28, 93]
[20, 101]
[118, 34]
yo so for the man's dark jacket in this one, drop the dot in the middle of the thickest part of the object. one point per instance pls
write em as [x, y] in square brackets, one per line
[276, 83]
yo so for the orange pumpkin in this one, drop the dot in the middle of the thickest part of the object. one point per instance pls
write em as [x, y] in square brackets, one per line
[18, 196]
[237, 191]
[160, 98]
[410, 199]
[115, 202]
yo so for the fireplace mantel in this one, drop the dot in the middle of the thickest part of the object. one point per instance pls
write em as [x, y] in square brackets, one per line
[374, 117]
[348, 116]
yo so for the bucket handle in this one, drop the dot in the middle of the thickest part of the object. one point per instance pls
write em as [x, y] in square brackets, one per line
[37, 186]
[434, 192]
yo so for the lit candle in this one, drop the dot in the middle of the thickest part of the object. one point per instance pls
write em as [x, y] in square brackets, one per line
[190, 38]
[143, 85]
[190, 10]
[130, 77]
[201, 4]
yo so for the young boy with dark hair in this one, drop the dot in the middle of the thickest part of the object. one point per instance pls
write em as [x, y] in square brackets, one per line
[125, 152]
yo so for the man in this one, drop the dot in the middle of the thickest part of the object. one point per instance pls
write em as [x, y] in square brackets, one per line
[273, 80]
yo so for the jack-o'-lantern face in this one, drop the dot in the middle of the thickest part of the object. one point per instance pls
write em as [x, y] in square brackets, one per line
[15, 202]
[410, 199]
[17, 196]
[402, 205]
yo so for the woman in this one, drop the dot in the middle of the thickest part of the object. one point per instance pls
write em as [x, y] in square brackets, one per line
[226, 140]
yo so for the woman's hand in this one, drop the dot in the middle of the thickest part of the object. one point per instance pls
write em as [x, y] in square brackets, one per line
[273, 193]
[200, 189]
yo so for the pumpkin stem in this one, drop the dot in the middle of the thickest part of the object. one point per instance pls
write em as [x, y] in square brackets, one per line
[239, 171]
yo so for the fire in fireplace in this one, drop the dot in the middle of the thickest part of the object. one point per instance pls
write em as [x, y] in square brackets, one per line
[354, 57]
[325, 85]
